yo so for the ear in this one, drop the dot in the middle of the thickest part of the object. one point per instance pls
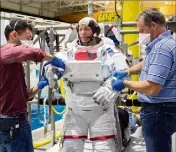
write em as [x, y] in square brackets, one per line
[13, 34]
[153, 25]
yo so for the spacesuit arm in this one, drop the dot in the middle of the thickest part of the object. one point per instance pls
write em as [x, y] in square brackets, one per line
[63, 56]
[120, 61]
[106, 94]
[120, 64]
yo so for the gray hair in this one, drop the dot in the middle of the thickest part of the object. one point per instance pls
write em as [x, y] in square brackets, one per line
[152, 15]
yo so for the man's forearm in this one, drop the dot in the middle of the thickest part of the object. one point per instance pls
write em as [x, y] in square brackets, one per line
[32, 92]
[18, 53]
[136, 69]
[145, 87]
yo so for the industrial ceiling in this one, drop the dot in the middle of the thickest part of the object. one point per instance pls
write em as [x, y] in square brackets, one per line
[50, 8]
[53, 9]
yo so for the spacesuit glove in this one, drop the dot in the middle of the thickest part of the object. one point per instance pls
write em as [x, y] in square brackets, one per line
[59, 72]
[117, 84]
[56, 62]
[42, 83]
[105, 95]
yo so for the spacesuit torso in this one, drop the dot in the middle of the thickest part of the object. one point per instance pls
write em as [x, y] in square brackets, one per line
[87, 67]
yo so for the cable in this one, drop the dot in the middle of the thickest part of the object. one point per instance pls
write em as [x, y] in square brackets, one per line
[107, 33]
[117, 16]
[116, 10]
[58, 113]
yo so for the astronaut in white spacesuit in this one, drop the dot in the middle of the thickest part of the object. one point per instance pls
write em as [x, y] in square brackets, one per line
[89, 96]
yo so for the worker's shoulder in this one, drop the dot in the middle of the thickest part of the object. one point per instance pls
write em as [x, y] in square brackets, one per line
[7, 46]
[167, 44]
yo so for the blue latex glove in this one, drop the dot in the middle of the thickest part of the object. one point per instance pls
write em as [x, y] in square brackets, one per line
[117, 85]
[42, 83]
[119, 74]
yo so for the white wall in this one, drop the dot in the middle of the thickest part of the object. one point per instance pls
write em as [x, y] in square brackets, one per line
[4, 22]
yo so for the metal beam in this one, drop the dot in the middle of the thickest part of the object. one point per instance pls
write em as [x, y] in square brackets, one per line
[73, 5]
[90, 8]
[56, 27]
[129, 24]
[99, 5]
[129, 32]
[21, 6]
[8, 6]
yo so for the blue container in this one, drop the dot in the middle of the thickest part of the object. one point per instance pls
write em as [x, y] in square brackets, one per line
[35, 120]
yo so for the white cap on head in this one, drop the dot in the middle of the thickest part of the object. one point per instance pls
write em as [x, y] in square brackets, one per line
[86, 20]
[92, 23]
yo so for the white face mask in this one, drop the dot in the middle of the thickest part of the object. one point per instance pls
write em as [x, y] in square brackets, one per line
[144, 39]
[27, 43]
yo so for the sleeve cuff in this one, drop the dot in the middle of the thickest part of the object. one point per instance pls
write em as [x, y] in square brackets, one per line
[42, 55]
[156, 79]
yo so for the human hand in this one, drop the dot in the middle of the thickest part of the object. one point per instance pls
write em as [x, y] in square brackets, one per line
[119, 74]
[56, 64]
[42, 83]
[117, 84]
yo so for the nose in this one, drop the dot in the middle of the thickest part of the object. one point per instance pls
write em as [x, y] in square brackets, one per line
[29, 37]
[82, 32]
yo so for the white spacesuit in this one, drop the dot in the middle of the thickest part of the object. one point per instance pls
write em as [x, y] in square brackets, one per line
[89, 96]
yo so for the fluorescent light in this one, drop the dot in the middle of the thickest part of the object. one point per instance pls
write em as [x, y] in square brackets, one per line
[107, 2]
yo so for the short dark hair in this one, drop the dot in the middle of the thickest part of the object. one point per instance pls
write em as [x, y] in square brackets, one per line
[152, 15]
[17, 25]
